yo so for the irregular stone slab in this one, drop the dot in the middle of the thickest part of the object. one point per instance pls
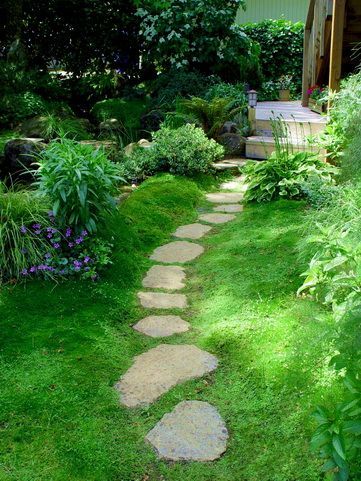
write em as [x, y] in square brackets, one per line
[161, 326]
[228, 208]
[160, 300]
[224, 197]
[192, 231]
[158, 370]
[193, 431]
[165, 277]
[237, 184]
[178, 251]
[217, 218]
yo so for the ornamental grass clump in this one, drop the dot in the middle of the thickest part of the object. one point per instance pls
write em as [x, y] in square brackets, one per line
[80, 182]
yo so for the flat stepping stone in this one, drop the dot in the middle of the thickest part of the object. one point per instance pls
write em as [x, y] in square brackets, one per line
[193, 431]
[217, 218]
[178, 251]
[161, 300]
[155, 372]
[165, 277]
[192, 231]
[225, 197]
[162, 326]
[228, 208]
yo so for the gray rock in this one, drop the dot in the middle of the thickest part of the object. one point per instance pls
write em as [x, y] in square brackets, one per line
[193, 431]
[217, 218]
[192, 231]
[160, 300]
[228, 208]
[19, 155]
[161, 326]
[110, 125]
[224, 197]
[230, 128]
[34, 127]
[234, 144]
[178, 251]
[155, 372]
[165, 277]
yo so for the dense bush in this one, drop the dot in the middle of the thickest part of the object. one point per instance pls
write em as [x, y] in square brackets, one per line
[183, 151]
[236, 93]
[281, 44]
[196, 34]
[16, 107]
[284, 175]
[80, 183]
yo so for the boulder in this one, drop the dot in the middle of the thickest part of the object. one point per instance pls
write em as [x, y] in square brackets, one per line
[230, 128]
[19, 155]
[110, 147]
[234, 144]
[109, 126]
[151, 121]
[143, 143]
[34, 127]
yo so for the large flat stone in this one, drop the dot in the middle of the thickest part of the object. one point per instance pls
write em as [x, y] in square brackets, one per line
[225, 197]
[158, 370]
[165, 277]
[228, 208]
[193, 431]
[161, 300]
[161, 326]
[178, 251]
[192, 231]
[217, 218]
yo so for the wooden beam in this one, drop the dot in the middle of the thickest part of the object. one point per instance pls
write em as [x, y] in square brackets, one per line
[337, 32]
[305, 85]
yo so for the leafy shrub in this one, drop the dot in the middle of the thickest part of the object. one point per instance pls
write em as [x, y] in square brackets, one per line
[212, 115]
[224, 90]
[184, 151]
[283, 175]
[127, 112]
[16, 107]
[79, 181]
[19, 210]
[281, 44]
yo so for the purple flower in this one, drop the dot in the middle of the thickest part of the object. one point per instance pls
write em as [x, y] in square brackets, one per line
[68, 232]
[33, 269]
[79, 240]
[36, 226]
[50, 213]
[50, 235]
[87, 259]
[77, 263]
[56, 245]
[23, 229]
[48, 255]
[84, 233]
[24, 272]
[71, 244]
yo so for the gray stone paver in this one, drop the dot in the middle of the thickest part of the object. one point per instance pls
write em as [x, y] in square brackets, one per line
[193, 431]
[217, 218]
[177, 251]
[161, 368]
[165, 277]
[225, 197]
[228, 208]
[192, 231]
[161, 300]
[161, 326]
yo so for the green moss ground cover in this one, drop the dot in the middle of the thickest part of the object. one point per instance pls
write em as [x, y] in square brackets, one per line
[63, 347]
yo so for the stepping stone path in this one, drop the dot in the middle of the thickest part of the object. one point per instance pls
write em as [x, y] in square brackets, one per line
[165, 277]
[229, 208]
[194, 430]
[156, 371]
[178, 251]
[161, 326]
[160, 300]
[192, 231]
[217, 218]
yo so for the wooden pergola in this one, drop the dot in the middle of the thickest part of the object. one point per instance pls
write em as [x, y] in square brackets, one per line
[333, 28]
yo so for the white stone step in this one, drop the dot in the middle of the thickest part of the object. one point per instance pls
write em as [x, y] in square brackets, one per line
[261, 147]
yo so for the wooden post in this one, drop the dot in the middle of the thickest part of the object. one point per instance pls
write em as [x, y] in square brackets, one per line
[305, 82]
[338, 23]
[252, 120]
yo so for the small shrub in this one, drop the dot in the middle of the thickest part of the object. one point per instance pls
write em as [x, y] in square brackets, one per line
[183, 151]
[235, 93]
[16, 107]
[283, 175]
[80, 182]
[127, 112]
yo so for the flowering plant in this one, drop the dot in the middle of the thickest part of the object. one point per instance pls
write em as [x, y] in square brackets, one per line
[318, 93]
[285, 82]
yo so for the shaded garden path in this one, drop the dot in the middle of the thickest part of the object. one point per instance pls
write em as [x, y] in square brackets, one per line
[194, 430]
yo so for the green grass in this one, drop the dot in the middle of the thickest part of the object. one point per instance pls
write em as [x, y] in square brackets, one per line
[63, 347]
[6, 135]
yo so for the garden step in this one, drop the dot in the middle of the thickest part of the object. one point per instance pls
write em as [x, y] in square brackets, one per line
[299, 129]
[165, 277]
[160, 300]
[231, 165]
[193, 431]
[261, 147]
[192, 231]
[237, 184]
[178, 252]
[224, 197]
[158, 370]
[228, 208]
[217, 218]
[161, 326]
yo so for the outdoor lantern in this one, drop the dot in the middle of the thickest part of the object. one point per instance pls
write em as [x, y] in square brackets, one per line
[252, 98]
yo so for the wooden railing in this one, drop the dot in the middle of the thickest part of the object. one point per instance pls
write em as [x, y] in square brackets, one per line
[323, 42]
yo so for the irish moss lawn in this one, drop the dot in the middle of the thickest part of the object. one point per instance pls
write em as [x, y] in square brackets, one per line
[64, 346]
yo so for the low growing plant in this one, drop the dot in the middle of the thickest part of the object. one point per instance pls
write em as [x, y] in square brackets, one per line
[80, 182]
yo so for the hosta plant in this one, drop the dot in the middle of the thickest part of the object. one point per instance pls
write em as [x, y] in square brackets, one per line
[283, 175]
